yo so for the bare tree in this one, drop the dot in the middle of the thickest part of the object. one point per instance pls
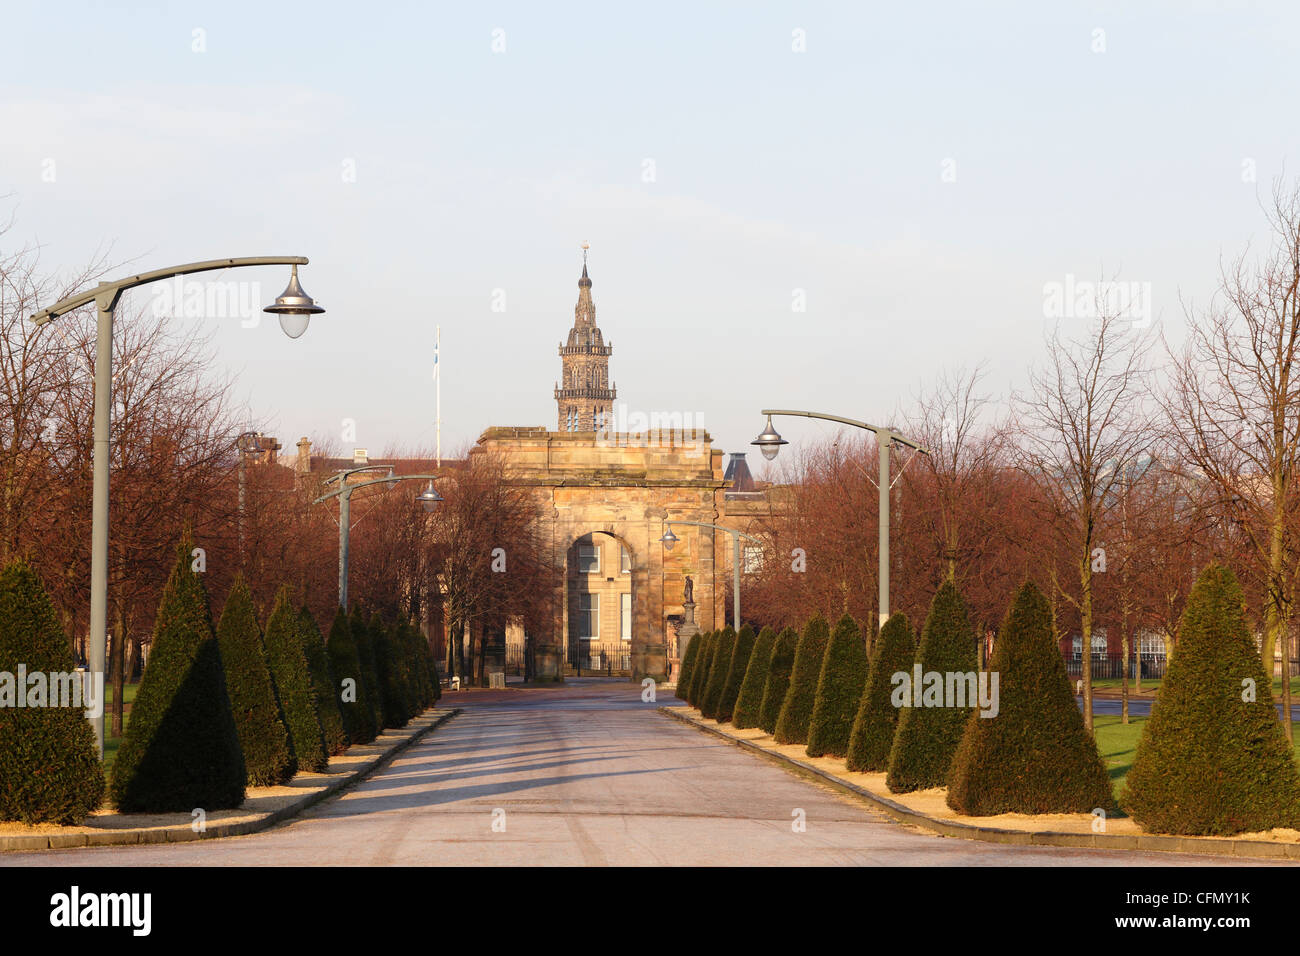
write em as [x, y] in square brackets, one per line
[1084, 423]
[1235, 407]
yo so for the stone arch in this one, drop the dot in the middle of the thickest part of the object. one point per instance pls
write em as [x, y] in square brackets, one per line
[604, 601]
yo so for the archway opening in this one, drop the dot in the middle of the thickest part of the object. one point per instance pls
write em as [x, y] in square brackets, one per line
[599, 597]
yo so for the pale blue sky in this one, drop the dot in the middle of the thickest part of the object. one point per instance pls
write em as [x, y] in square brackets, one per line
[774, 170]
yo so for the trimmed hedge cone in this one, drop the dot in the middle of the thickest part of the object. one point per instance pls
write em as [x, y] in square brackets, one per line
[366, 654]
[876, 721]
[688, 666]
[1035, 756]
[722, 651]
[181, 748]
[287, 659]
[778, 678]
[700, 673]
[322, 684]
[740, 654]
[839, 690]
[1213, 758]
[388, 673]
[796, 710]
[349, 687]
[49, 764]
[268, 758]
[750, 699]
[708, 644]
[928, 736]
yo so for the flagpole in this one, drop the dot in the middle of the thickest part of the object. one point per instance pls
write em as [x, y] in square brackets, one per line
[437, 377]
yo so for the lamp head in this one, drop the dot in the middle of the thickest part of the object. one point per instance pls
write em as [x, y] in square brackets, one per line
[769, 441]
[429, 499]
[294, 307]
[669, 539]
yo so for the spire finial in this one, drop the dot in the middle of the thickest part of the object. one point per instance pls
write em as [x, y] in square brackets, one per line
[584, 281]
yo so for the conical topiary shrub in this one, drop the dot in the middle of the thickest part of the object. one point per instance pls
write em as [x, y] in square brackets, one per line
[839, 690]
[740, 654]
[750, 699]
[722, 651]
[928, 736]
[688, 666]
[796, 710]
[700, 679]
[877, 718]
[1213, 758]
[425, 677]
[408, 675]
[349, 687]
[778, 678]
[268, 758]
[49, 764]
[1034, 755]
[366, 655]
[181, 748]
[323, 686]
[287, 658]
[388, 670]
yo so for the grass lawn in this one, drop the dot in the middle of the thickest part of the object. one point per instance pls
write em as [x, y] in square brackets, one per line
[112, 743]
[1118, 745]
[128, 695]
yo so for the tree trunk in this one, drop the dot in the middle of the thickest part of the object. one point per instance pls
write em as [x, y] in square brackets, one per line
[1275, 616]
[118, 666]
[1085, 621]
[1123, 684]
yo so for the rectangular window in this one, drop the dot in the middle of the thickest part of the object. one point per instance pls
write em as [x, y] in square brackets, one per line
[589, 559]
[627, 616]
[624, 560]
[753, 560]
[588, 616]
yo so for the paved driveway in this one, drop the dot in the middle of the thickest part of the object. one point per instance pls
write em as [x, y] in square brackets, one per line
[587, 774]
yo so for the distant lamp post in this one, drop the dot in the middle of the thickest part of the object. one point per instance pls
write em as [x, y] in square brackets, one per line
[344, 494]
[769, 442]
[669, 539]
[294, 307]
[246, 442]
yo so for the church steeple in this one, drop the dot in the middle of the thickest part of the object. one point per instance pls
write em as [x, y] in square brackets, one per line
[584, 395]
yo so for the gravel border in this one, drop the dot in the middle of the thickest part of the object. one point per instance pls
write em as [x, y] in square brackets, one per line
[182, 833]
[1211, 846]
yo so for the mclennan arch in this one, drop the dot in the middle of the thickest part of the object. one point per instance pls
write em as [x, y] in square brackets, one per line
[616, 491]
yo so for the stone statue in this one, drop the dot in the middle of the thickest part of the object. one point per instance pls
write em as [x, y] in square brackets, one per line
[690, 590]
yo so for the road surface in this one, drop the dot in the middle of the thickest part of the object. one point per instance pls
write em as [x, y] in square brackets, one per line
[587, 774]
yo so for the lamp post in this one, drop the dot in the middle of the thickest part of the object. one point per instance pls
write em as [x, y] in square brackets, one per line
[243, 447]
[294, 307]
[429, 499]
[669, 539]
[769, 442]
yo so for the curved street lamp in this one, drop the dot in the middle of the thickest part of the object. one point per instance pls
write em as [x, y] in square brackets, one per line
[294, 307]
[669, 539]
[428, 500]
[770, 442]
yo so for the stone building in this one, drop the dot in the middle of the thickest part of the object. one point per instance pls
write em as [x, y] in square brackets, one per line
[606, 498]
[584, 395]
